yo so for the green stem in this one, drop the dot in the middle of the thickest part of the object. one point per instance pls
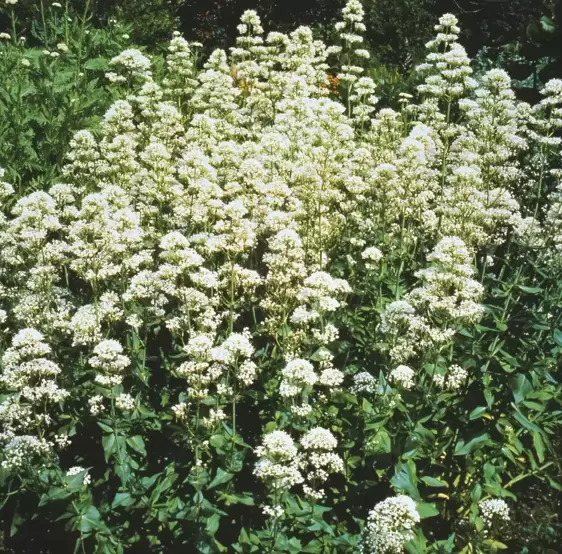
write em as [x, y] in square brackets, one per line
[44, 21]
[14, 32]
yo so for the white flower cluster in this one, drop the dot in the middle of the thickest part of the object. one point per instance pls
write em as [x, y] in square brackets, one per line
[319, 461]
[110, 363]
[403, 377]
[429, 313]
[29, 378]
[282, 466]
[132, 64]
[494, 513]
[453, 380]
[278, 463]
[363, 382]
[390, 526]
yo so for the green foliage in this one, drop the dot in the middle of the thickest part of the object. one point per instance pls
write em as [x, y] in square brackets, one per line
[397, 31]
[51, 90]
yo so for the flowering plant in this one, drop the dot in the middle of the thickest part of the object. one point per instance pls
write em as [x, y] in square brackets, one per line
[254, 318]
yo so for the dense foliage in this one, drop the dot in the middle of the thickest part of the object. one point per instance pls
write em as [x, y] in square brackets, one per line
[51, 88]
[253, 311]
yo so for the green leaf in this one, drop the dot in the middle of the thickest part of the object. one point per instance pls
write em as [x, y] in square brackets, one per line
[477, 412]
[216, 441]
[212, 525]
[246, 498]
[380, 443]
[539, 446]
[558, 337]
[425, 509]
[96, 64]
[105, 427]
[405, 479]
[521, 387]
[137, 444]
[463, 449]
[526, 423]
[530, 290]
[122, 499]
[432, 482]
[109, 446]
[220, 478]
[90, 520]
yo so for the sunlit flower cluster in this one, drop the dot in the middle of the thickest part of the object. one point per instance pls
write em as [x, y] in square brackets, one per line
[390, 526]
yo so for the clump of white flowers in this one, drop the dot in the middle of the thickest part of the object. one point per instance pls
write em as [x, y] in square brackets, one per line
[453, 380]
[277, 462]
[30, 379]
[390, 526]
[363, 382]
[403, 377]
[494, 513]
[318, 460]
[77, 470]
[110, 362]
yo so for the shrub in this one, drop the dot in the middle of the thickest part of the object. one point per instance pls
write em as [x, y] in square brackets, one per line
[255, 318]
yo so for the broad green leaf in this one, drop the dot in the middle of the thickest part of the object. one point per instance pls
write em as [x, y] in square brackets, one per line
[477, 412]
[405, 479]
[521, 387]
[122, 499]
[432, 482]
[463, 449]
[425, 509]
[90, 520]
[220, 478]
[137, 444]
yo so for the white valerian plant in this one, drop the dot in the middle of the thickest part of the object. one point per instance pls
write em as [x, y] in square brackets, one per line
[240, 270]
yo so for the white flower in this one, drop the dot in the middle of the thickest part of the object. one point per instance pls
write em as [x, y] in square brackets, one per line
[110, 362]
[454, 379]
[297, 375]
[277, 463]
[390, 526]
[364, 382]
[494, 512]
[371, 254]
[403, 377]
[125, 402]
[96, 404]
[319, 438]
